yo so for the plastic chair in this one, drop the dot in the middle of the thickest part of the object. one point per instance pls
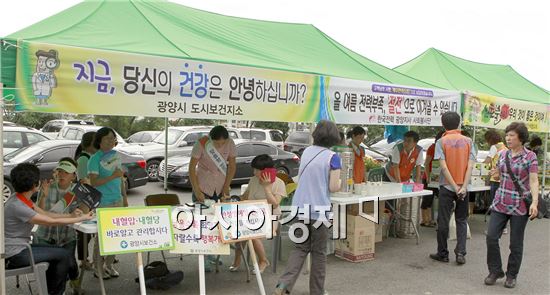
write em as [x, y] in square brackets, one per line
[39, 271]
[376, 174]
[161, 200]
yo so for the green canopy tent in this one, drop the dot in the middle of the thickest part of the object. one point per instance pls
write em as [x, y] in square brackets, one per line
[156, 58]
[166, 29]
[450, 72]
[497, 91]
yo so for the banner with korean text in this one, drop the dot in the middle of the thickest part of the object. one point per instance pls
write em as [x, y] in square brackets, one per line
[361, 102]
[65, 79]
[195, 236]
[136, 229]
[484, 110]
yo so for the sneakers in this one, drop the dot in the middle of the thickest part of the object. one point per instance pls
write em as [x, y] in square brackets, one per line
[111, 271]
[510, 283]
[280, 290]
[439, 258]
[460, 259]
[492, 278]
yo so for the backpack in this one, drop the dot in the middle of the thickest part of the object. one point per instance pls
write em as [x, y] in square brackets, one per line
[158, 277]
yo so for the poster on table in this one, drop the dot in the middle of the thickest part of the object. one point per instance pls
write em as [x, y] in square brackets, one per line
[193, 236]
[65, 79]
[136, 229]
[245, 220]
[490, 111]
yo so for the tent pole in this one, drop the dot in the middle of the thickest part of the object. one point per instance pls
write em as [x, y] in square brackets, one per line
[2, 249]
[544, 166]
[165, 155]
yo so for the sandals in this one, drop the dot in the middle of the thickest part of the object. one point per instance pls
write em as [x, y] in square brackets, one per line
[267, 263]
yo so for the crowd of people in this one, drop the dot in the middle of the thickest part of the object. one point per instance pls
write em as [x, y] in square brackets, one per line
[513, 181]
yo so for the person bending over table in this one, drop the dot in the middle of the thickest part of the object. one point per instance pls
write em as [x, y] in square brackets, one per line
[404, 158]
[260, 187]
[215, 157]
[20, 216]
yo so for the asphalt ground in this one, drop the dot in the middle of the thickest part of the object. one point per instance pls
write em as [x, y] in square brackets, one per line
[400, 266]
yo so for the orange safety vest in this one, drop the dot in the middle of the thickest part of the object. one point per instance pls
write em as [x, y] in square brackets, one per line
[456, 149]
[407, 162]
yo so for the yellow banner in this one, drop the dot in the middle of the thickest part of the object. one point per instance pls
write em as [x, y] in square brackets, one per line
[484, 110]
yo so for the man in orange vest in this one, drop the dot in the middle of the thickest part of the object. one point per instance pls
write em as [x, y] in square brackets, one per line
[405, 157]
[456, 156]
[357, 135]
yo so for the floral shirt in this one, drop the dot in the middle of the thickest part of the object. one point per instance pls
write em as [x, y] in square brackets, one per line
[507, 199]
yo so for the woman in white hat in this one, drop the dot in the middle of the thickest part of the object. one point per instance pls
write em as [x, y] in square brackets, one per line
[55, 195]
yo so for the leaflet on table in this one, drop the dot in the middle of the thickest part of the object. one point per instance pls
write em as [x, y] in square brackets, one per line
[135, 229]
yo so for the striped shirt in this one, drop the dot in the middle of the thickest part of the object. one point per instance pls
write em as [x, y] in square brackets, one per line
[61, 234]
[507, 199]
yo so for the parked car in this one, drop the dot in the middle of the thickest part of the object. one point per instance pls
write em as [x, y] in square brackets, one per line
[298, 141]
[374, 154]
[52, 128]
[180, 141]
[142, 136]
[272, 136]
[15, 138]
[75, 132]
[285, 162]
[8, 123]
[46, 155]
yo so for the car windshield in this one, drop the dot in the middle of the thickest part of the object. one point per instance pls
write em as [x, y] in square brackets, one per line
[22, 154]
[173, 136]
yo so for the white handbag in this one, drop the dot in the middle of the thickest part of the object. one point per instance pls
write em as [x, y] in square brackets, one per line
[452, 229]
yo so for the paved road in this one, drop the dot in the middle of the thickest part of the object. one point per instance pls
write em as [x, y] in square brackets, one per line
[400, 267]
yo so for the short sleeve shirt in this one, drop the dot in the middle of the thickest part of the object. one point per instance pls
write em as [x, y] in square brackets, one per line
[396, 156]
[104, 165]
[82, 165]
[211, 179]
[256, 191]
[17, 226]
[507, 199]
[61, 234]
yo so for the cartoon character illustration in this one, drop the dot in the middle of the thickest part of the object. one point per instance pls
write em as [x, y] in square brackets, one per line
[43, 80]
[475, 108]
